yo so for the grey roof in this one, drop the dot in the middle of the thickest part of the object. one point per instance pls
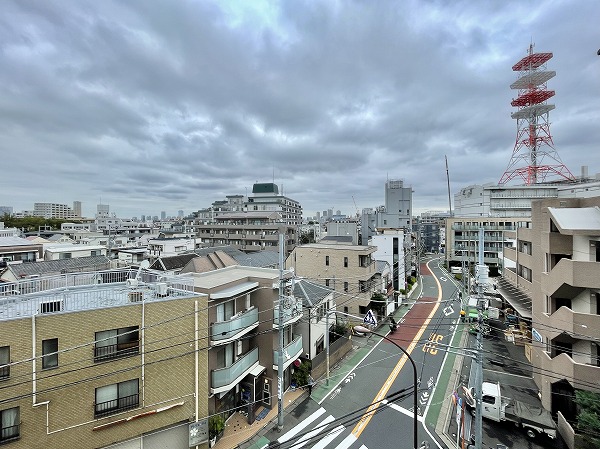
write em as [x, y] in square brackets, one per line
[337, 239]
[16, 241]
[311, 293]
[48, 267]
[169, 263]
[380, 265]
[576, 220]
[258, 259]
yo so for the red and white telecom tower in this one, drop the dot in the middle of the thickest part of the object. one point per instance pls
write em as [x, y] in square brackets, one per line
[534, 156]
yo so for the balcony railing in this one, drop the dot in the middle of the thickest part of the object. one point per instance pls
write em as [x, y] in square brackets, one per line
[116, 405]
[222, 377]
[108, 352]
[291, 350]
[237, 325]
[4, 372]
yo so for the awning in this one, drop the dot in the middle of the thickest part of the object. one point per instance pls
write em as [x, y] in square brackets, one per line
[473, 314]
[257, 370]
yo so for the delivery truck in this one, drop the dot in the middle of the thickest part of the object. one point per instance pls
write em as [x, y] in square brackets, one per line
[533, 419]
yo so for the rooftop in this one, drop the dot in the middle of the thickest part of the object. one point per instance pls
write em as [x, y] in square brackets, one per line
[87, 291]
[576, 220]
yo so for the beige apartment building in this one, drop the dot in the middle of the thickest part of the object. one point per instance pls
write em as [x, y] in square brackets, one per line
[350, 270]
[89, 360]
[557, 263]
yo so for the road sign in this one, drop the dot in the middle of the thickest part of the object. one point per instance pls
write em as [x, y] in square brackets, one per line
[370, 318]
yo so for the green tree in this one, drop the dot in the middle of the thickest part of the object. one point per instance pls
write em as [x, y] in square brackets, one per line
[588, 418]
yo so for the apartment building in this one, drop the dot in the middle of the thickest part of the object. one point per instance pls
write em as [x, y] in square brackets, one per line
[56, 210]
[243, 338]
[462, 240]
[91, 360]
[350, 270]
[247, 231]
[557, 264]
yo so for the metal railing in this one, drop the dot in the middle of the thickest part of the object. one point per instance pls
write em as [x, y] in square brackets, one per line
[4, 372]
[116, 351]
[116, 405]
[228, 329]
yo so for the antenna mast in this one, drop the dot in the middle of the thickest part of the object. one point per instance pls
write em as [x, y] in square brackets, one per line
[534, 142]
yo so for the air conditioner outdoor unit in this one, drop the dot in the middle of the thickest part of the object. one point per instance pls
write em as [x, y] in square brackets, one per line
[135, 296]
[132, 282]
[161, 289]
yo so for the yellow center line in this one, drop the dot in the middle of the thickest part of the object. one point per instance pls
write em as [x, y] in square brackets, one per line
[366, 418]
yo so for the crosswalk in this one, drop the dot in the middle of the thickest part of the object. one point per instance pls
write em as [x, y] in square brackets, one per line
[313, 432]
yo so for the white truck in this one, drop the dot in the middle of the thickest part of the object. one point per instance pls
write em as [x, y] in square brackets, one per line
[533, 419]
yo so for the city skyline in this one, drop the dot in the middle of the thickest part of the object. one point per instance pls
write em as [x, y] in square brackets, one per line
[152, 106]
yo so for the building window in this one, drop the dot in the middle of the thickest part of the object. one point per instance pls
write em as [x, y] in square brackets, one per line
[345, 286]
[345, 262]
[326, 282]
[116, 398]
[4, 362]
[50, 353]
[114, 343]
[10, 423]
[362, 286]
[327, 260]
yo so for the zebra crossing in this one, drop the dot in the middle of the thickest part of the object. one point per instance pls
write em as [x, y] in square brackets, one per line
[310, 430]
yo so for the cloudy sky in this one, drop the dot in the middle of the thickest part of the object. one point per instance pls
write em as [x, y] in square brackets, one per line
[167, 105]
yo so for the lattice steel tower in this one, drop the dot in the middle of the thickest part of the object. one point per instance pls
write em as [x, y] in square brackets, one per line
[534, 157]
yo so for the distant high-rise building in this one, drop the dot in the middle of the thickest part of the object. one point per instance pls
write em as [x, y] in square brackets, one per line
[52, 210]
[143, 218]
[180, 214]
[338, 212]
[266, 197]
[77, 208]
[102, 211]
[163, 215]
[397, 212]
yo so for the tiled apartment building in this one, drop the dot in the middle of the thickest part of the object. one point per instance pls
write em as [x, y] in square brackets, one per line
[557, 264]
[350, 270]
[90, 359]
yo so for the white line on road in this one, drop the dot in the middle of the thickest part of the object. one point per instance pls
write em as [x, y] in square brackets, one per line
[402, 410]
[328, 438]
[303, 424]
[348, 441]
[307, 436]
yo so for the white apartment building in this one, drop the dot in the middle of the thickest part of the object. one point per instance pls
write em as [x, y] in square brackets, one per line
[56, 210]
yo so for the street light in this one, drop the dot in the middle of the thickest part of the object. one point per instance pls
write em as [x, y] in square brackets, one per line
[366, 330]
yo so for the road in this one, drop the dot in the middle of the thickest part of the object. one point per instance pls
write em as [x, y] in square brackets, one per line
[384, 372]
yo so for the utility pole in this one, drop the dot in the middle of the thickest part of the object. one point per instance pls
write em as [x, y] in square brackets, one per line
[281, 329]
[482, 278]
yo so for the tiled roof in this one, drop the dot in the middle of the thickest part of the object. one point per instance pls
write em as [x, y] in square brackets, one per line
[311, 293]
[169, 263]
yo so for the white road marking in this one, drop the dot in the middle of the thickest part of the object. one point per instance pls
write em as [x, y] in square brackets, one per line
[328, 438]
[348, 441]
[307, 436]
[300, 426]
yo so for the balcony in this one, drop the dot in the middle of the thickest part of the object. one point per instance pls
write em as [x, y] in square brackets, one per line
[291, 313]
[576, 273]
[224, 379]
[566, 320]
[291, 352]
[116, 351]
[116, 405]
[234, 328]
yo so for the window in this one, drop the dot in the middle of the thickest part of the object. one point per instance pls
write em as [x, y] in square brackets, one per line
[116, 398]
[114, 343]
[486, 399]
[327, 260]
[345, 286]
[362, 286]
[345, 262]
[9, 424]
[326, 282]
[4, 362]
[50, 353]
